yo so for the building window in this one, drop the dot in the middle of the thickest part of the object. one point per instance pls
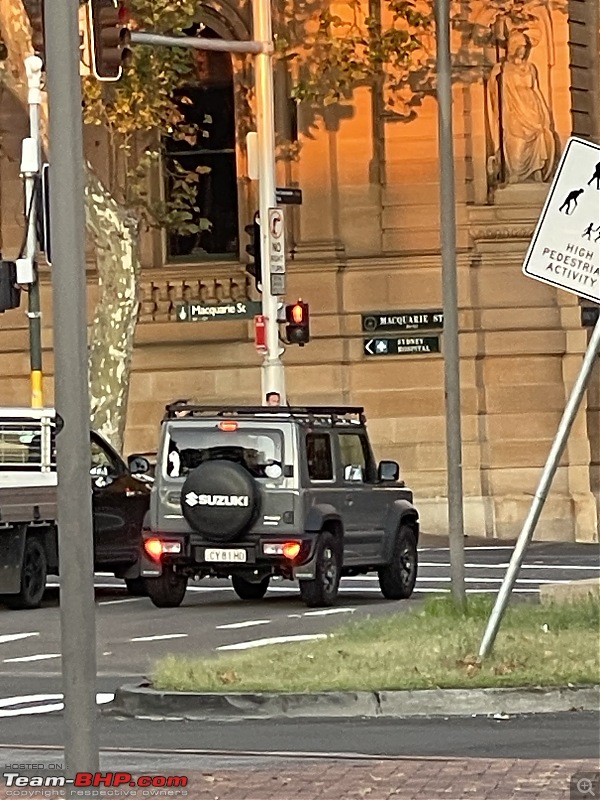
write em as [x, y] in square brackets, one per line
[209, 105]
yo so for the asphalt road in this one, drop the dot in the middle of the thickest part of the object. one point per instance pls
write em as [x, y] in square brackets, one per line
[132, 634]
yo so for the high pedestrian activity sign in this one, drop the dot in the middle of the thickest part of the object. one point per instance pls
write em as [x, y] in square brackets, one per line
[565, 249]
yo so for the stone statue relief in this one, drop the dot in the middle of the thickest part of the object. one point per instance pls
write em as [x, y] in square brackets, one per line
[520, 121]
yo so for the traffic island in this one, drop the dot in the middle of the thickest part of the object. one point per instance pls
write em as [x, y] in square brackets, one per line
[422, 662]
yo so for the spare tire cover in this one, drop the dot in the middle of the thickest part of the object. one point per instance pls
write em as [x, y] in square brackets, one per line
[219, 499]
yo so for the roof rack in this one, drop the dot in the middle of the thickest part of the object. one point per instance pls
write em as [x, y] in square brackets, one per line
[314, 415]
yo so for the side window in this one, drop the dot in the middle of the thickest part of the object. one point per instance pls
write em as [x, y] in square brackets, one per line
[103, 460]
[353, 449]
[318, 455]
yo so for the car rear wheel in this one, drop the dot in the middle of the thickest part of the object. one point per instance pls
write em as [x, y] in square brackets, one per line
[397, 579]
[136, 587]
[323, 589]
[246, 590]
[33, 577]
[168, 590]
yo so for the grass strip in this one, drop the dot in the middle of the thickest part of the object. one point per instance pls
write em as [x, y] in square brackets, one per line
[426, 646]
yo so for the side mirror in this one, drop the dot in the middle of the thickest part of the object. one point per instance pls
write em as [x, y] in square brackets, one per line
[388, 471]
[138, 465]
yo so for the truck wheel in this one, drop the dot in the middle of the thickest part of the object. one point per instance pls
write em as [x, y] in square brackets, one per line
[246, 590]
[168, 590]
[136, 587]
[397, 579]
[322, 590]
[33, 577]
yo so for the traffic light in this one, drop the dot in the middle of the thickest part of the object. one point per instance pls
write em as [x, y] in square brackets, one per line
[254, 267]
[298, 324]
[110, 38]
[10, 294]
[35, 9]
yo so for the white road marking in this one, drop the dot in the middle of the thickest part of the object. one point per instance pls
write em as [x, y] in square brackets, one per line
[468, 579]
[7, 704]
[503, 565]
[39, 657]
[324, 612]
[247, 624]
[125, 600]
[274, 640]
[13, 637]
[210, 588]
[160, 637]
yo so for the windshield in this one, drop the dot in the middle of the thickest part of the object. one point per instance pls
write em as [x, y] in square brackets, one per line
[261, 453]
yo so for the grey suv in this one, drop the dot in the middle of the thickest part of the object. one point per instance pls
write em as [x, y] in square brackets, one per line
[251, 492]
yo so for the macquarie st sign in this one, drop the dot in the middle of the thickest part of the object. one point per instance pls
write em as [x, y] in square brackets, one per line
[375, 321]
[199, 312]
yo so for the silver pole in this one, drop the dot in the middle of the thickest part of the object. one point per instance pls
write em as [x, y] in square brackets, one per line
[67, 217]
[195, 43]
[33, 69]
[450, 302]
[556, 451]
[273, 379]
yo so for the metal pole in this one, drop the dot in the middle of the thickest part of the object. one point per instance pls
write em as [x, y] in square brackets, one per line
[195, 43]
[67, 217]
[33, 69]
[273, 379]
[450, 302]
[556, 451]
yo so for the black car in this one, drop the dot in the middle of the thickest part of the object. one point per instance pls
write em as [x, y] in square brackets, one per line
[28, 527]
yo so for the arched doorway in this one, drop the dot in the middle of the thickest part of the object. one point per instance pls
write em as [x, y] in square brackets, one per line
[208, 104]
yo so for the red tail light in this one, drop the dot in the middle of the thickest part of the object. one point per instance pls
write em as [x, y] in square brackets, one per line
[291, 549]
[154, 548]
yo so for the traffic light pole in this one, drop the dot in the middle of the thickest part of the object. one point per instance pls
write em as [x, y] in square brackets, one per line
[273, 378]
[69, 285]
[31, 171]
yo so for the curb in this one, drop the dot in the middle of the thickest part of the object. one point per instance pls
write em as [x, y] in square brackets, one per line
[143, 702]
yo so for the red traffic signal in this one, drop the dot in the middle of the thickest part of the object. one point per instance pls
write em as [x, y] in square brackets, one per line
[109, 38]
[298, 323]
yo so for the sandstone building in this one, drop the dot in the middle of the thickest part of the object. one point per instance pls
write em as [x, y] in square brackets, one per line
[366, 240]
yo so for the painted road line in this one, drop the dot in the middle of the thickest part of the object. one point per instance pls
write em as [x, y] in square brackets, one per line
[275, 640]
[468, 579]
[13, 637]
[125, 600]
[249, 623]
[28, 705]
[39, 657]
[324, 612]
[160, 637]
[210, 589]
[504, 564]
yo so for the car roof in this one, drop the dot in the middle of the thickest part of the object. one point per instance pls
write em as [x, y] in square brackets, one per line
[327, 416]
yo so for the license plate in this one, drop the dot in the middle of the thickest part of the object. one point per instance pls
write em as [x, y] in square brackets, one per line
[216, 554]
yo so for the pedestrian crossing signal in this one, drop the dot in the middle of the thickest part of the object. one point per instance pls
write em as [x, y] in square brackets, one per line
[110, 38]
[298, 323]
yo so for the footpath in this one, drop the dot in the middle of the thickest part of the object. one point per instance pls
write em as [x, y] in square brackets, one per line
[397, 779]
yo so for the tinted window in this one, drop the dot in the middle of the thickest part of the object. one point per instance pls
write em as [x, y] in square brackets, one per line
[260, 453]
[101, 458]
[318, 455]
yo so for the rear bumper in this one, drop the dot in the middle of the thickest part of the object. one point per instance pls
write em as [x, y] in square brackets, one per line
[199, 557]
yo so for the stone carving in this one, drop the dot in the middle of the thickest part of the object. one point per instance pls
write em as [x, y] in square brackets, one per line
[482, 234]
[520, 121]
[159, 300]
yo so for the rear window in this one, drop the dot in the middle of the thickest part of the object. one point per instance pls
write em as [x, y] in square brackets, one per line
[260, 452]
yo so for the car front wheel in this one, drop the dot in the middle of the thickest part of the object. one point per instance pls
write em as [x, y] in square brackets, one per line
[168, 590]
[323, 589]
[397, 579]
[33, 577]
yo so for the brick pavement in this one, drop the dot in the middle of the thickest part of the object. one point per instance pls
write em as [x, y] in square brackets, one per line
[398, 779]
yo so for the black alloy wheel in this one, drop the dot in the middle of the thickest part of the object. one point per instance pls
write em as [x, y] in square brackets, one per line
[322, 590]
[398, 578]
[33, 577]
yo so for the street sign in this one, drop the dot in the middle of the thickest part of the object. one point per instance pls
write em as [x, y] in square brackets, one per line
[199, 312]
[278, 284]
[403, 320]
[277, 240]
[260, 333]
[288, 197]
[565, 249]
[401, 346]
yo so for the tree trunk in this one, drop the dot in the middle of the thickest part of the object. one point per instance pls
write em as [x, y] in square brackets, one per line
[115, 234]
